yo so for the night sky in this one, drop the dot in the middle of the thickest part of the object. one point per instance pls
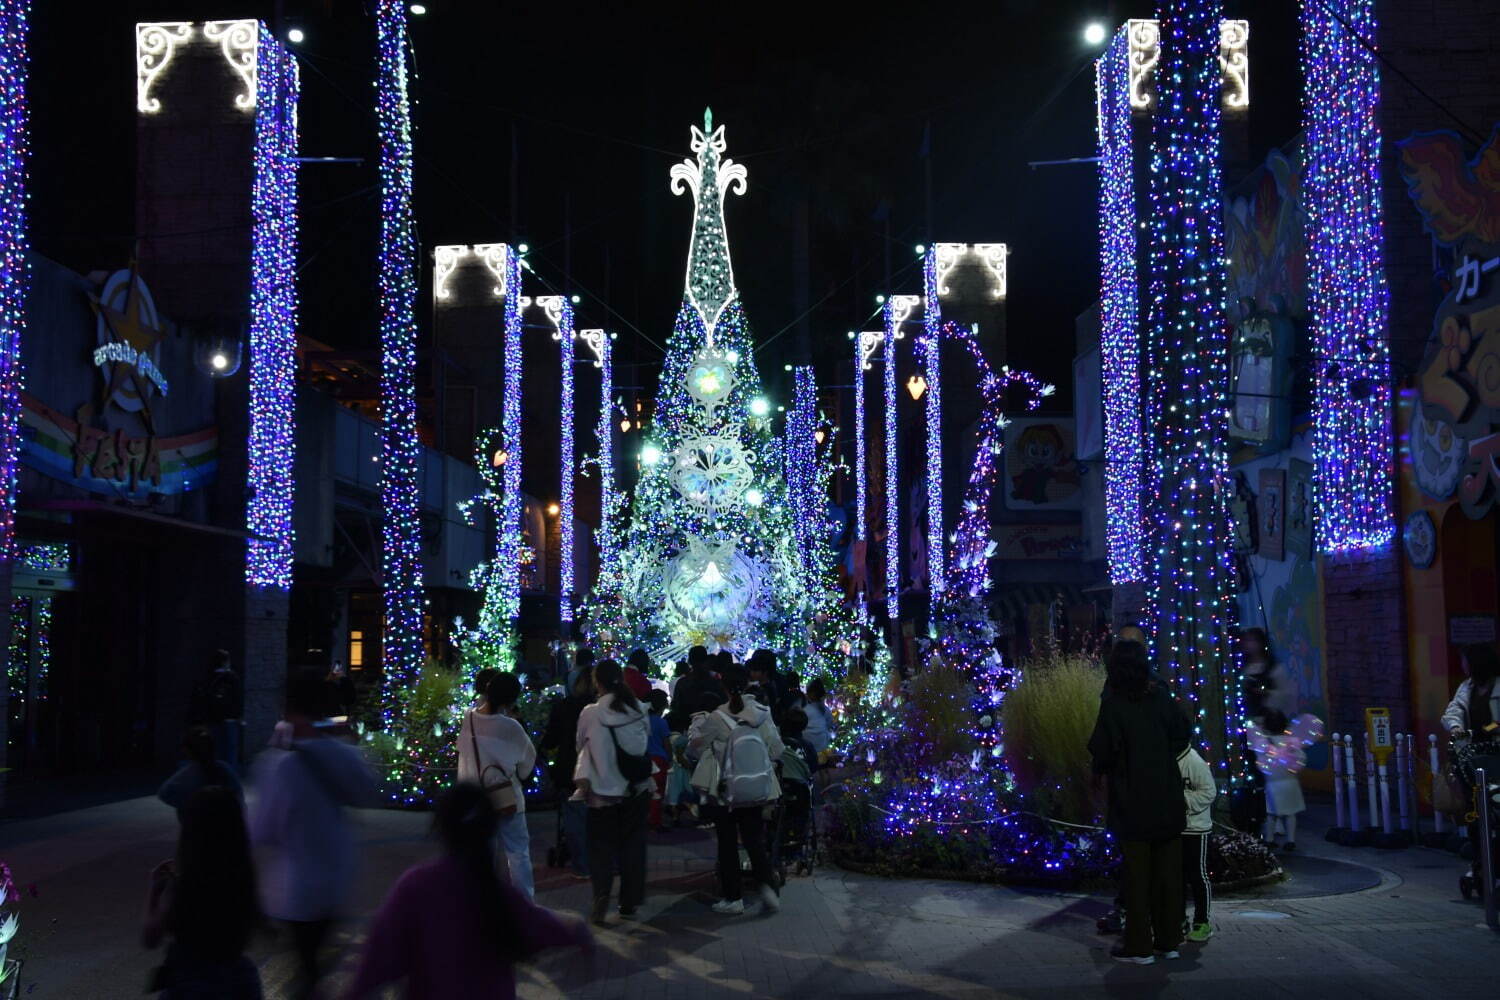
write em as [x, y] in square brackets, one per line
[826, 104]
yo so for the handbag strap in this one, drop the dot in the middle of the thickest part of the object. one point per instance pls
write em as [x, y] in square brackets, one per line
[478, 762]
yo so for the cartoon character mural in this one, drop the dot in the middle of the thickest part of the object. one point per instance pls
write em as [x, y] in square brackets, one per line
[1041, 465]
[1265, 239]
[1459, 378]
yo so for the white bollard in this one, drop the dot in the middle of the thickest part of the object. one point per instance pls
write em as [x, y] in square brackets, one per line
[1387, 827]
[1371, 786]
[1338, 784]
[1351, 785]
[1438, 820]
[1403, 779]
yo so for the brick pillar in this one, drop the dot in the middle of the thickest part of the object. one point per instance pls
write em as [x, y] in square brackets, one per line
[1366, 638]
[195, 142]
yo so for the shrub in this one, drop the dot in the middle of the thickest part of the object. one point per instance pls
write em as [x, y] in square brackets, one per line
[941, 711]
[1048, 718]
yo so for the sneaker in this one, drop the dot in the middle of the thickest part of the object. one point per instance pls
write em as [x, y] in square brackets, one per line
[1111, 923]
[730, 907]
[600, 910]
[1119, 954]
[627, 911]
[1200, 933]
[770, 899]
[1169, 955]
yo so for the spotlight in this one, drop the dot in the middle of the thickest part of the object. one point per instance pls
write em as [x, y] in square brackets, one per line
[1095, 33]
[553, 509]
[220, 361]
[418, 9]
[650, 454]
[760, 406]
[754, 497]
[295, 36]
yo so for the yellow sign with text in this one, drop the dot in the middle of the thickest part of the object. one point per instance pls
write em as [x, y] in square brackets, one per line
[1378, 732]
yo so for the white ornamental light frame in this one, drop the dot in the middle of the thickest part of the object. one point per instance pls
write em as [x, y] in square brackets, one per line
[446, 259]
[157, 42]
[992, 255]
[1144, 35]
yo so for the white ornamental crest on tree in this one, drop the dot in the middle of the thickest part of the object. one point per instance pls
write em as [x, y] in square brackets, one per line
[712, 472]
[710, 281]
[710, 588]
[711, 378]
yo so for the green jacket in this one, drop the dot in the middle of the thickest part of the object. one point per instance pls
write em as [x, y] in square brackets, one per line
[1135, 745]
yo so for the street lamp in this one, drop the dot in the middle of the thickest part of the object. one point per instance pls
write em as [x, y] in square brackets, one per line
[553, 509]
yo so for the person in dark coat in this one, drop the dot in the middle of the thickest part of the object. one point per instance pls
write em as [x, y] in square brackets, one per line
[560, 748]
[691, 689]
[1137, 739]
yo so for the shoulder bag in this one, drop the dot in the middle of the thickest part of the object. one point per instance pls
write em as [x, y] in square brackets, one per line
[493, 779]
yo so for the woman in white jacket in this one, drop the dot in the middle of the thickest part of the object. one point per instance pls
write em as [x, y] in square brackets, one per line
[1476, 704]
[615, 726]
[501, 740]
[750, 778]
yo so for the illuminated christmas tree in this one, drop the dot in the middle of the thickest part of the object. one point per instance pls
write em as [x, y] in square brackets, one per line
[708, 554]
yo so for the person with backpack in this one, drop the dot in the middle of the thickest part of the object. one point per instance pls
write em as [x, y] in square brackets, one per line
[202, 770]
[495, 753]
[736, 747]
[613, 776]
[219, 703]
[202, 904]
[306, 849]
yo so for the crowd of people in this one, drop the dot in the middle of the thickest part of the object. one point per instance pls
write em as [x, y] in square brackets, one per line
[720, 744]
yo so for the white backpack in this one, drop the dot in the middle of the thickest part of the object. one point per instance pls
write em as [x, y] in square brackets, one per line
[746, 777]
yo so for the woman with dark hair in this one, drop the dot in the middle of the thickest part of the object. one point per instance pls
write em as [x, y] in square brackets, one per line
[613, 776]
[1476, 703]
[201, 770]
[1268, 688]
[744, 742]
[1137, 739]
[204, 901]
[451, 927]
[495, 752]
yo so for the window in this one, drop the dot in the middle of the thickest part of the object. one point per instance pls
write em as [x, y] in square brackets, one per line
[356, 648]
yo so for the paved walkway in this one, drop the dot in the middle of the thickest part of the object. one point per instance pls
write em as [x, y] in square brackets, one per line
[838, 934]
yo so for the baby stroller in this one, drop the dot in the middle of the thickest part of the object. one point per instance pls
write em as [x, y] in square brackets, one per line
[793, 840]
[1467, 758]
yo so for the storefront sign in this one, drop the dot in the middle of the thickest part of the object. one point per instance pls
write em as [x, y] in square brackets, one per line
[112, 462]
[128, 343]
[1039, 541]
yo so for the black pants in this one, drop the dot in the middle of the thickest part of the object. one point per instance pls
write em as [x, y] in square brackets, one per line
[1195, 885]
[617, 839]
[734, 827]
[307, 940]
[1153, 895]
